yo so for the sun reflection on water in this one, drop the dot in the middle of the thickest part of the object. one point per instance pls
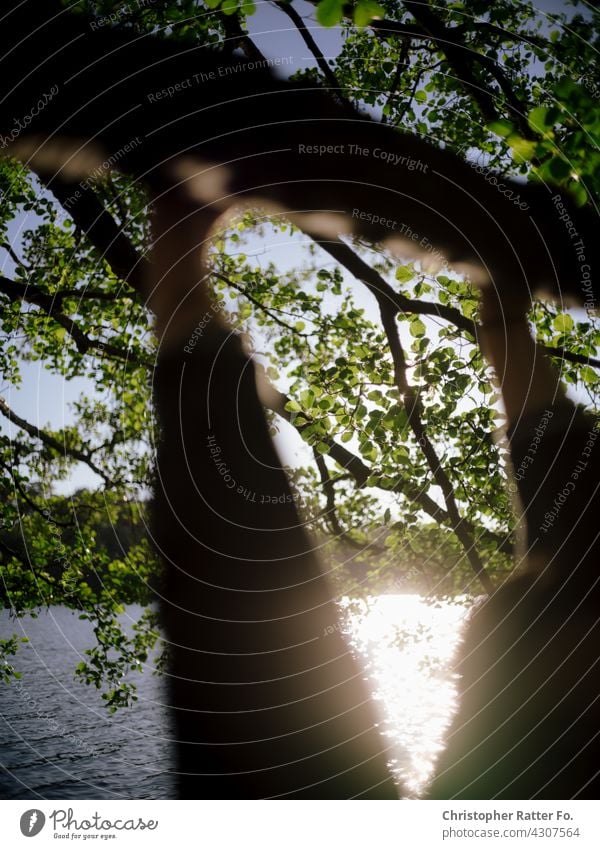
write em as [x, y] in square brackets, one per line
[410, 644]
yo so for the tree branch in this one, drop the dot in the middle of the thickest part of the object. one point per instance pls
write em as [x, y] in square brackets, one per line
[358, 470]
[51, 441]
[314, 48]
[236, 37]
[380, 288]
[258, 304]
[455, 54]
[330, 512]
[31, 294]
[389, 306]
[413, 410]
[90, 215]
[403, 63]
[450, 40]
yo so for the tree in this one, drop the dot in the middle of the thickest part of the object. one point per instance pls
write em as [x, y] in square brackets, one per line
[388, 389]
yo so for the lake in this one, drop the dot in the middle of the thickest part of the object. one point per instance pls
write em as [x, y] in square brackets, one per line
[58, 742]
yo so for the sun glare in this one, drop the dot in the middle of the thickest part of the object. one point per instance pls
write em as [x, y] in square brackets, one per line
[409, 644]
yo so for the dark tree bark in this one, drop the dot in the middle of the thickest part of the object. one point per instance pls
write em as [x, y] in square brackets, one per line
[235, 137]
[529, 717]
[268, 700]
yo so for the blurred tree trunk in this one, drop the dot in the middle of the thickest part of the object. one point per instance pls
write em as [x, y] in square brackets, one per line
[267, 698]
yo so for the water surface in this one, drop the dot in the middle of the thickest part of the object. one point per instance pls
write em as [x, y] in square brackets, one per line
[58, 742]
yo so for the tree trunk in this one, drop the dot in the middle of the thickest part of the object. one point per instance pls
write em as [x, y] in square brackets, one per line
[267, 698]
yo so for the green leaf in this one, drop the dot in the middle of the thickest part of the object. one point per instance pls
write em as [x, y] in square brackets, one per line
[523, 149]
[365, 11]
[229, 7]
[578, 193]
[540, 118]
[502, 127]
[330, 12]
[417, 328]
[588, 375]
[559, 168]
[563, 323]
[404, 273]
[421, 96]
[307, 397]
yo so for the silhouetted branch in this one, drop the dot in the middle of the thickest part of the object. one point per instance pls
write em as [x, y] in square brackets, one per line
[51, 441]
